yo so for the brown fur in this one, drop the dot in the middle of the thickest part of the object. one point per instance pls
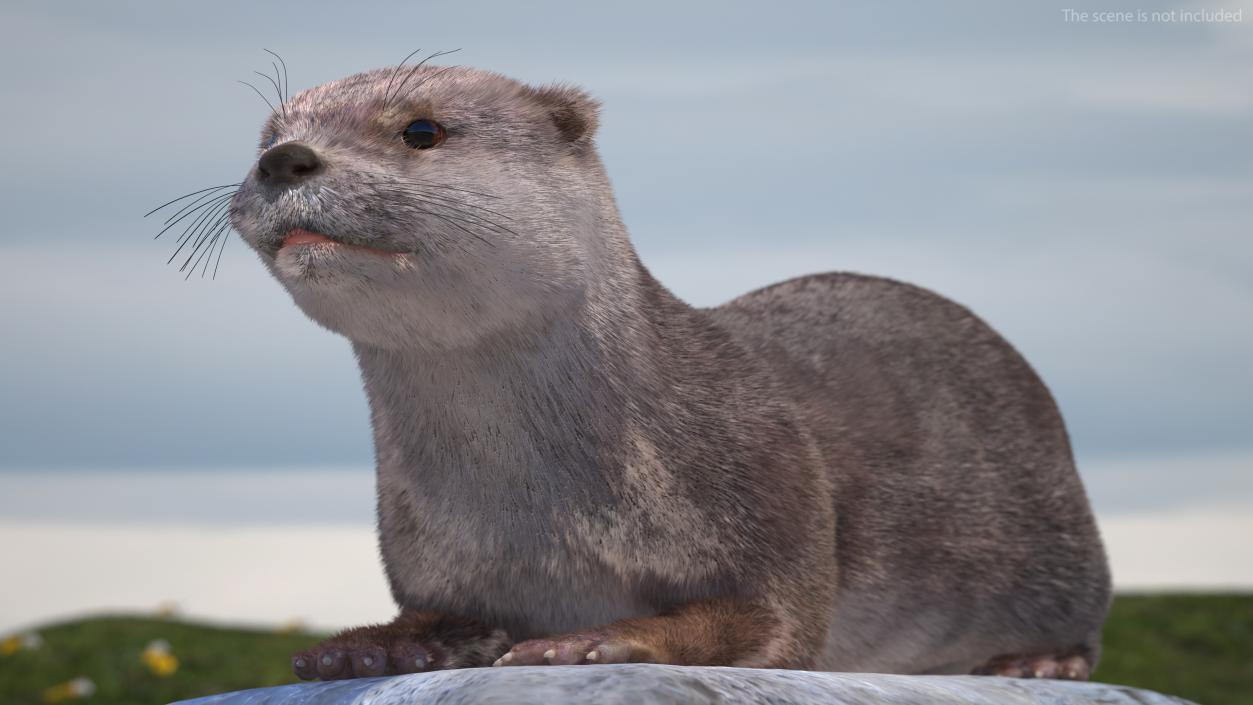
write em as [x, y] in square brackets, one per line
[716, 632]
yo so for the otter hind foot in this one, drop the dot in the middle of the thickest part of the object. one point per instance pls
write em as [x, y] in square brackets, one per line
[1064, 667]
[414, 642]
[580, 648]
[710, 632]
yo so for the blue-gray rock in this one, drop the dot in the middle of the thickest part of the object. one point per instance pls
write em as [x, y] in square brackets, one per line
[642, 684]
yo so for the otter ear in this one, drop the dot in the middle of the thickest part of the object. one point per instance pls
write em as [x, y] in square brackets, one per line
[574, 112]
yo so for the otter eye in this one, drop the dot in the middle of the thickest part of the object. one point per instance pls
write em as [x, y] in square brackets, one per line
[423, 134]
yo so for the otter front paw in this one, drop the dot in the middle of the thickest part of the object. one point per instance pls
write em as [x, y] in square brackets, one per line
[337, 659]
[571, 649]
[414, 642]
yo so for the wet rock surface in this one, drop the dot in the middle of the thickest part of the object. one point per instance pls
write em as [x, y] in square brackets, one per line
[638, 684]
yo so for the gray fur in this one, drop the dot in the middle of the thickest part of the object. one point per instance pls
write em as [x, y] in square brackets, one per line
[561, 442]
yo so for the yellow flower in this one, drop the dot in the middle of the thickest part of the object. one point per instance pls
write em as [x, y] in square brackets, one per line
[69, 690]
[11, 646]
[157, 657]
[29, 641]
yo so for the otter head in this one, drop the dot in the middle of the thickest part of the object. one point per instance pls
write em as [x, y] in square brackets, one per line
[426, 207]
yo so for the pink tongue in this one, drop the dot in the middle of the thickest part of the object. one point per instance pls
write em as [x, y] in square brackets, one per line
[303, 237]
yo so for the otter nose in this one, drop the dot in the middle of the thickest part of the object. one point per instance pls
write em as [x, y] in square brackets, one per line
[288, 163]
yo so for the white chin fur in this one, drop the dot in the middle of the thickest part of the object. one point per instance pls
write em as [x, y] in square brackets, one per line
[399, 302]
[352, 293]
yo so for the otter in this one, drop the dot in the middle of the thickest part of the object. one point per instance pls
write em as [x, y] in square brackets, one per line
[836, 472]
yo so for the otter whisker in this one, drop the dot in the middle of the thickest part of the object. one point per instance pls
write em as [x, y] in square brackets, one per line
[218, 234]
[420, 189]
[436, 200]
[282, 91]
[200, 208]
[201, 250]
[452, 221]
[468, 219]
[192, 269]
[286, 85]
[180, 247]
[193, 193]
[209, 216]
[219, 214]
[213, 229]
[418, 67]
[391, 178]
[221, 249]
[278, 91]
[387, 91]
[432, 184]
[196, 205]
[220, 224]
[435, 75]
[259, 93]
[466, 216]
[209, 221]
[210, 212]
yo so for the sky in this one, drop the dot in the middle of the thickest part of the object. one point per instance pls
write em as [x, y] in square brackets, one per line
[1086, 187]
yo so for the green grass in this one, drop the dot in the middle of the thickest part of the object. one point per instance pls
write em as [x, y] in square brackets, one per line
[107, 650]
[1198, 647]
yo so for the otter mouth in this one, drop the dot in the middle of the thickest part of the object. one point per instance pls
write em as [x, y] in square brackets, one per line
[300, 239]
[300, 236]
